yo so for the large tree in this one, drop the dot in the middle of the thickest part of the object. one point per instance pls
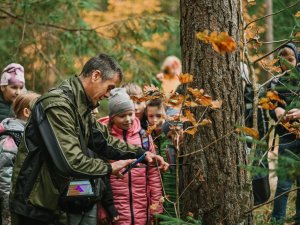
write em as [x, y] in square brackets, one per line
[217, 188]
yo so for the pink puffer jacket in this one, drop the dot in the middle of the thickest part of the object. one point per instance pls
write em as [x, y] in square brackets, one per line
[140, 188]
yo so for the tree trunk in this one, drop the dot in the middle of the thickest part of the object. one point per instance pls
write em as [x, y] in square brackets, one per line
[217, 189]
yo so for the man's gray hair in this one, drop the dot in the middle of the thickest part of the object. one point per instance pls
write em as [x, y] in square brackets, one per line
[105, 64]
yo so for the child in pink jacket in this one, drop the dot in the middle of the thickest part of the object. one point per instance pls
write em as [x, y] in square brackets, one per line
[137, 195]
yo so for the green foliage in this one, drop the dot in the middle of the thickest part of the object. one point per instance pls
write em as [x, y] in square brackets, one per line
[52, 40]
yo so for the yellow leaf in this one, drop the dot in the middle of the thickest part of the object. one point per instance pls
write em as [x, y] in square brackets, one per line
[185, 78]
[298, 14]
[249, 131]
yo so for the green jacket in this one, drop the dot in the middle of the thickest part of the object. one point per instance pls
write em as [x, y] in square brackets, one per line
[51, 153]
[5, 108]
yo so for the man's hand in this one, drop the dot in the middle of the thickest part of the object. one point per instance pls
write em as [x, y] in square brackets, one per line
[118, 165]
[153, 159]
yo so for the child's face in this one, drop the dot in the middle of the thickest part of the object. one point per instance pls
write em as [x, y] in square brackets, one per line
[10, 92]
[290, 58]
[139, 108]
[124, 120]
[155, 115]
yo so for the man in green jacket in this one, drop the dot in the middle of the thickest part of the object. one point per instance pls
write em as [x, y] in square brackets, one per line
[57, 141]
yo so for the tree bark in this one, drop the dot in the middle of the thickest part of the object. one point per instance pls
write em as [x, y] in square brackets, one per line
[217, 188]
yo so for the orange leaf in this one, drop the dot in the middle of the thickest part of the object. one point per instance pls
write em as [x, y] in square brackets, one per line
[269, 65]
[221, 43]
[191, 131]
[273, 95]
[265, 103]
[293, 127]
[137, 99]
[216, 104]
[191, 117]
[196, 92]
[175, 99]
[150, 129]
[185, 78]
[249, 131]
[205, 100]
[205, 122]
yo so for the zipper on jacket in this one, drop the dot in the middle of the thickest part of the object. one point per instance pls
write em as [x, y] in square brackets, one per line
[129, 184]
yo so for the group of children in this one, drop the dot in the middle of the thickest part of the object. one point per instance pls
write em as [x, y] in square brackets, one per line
[143, 191]
[140, 193]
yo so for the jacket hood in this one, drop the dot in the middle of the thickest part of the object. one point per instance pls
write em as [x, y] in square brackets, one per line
[296, 52]
[12, 124]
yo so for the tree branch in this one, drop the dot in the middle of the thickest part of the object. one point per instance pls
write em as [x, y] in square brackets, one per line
[272, 14]
[273, 199]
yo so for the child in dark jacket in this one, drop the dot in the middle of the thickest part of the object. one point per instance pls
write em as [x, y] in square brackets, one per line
[288, 88]
[11, 131]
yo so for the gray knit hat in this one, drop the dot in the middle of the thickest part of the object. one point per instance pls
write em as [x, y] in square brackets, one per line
[119, 101]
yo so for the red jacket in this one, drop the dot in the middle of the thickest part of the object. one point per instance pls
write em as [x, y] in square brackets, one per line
[140, 188]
